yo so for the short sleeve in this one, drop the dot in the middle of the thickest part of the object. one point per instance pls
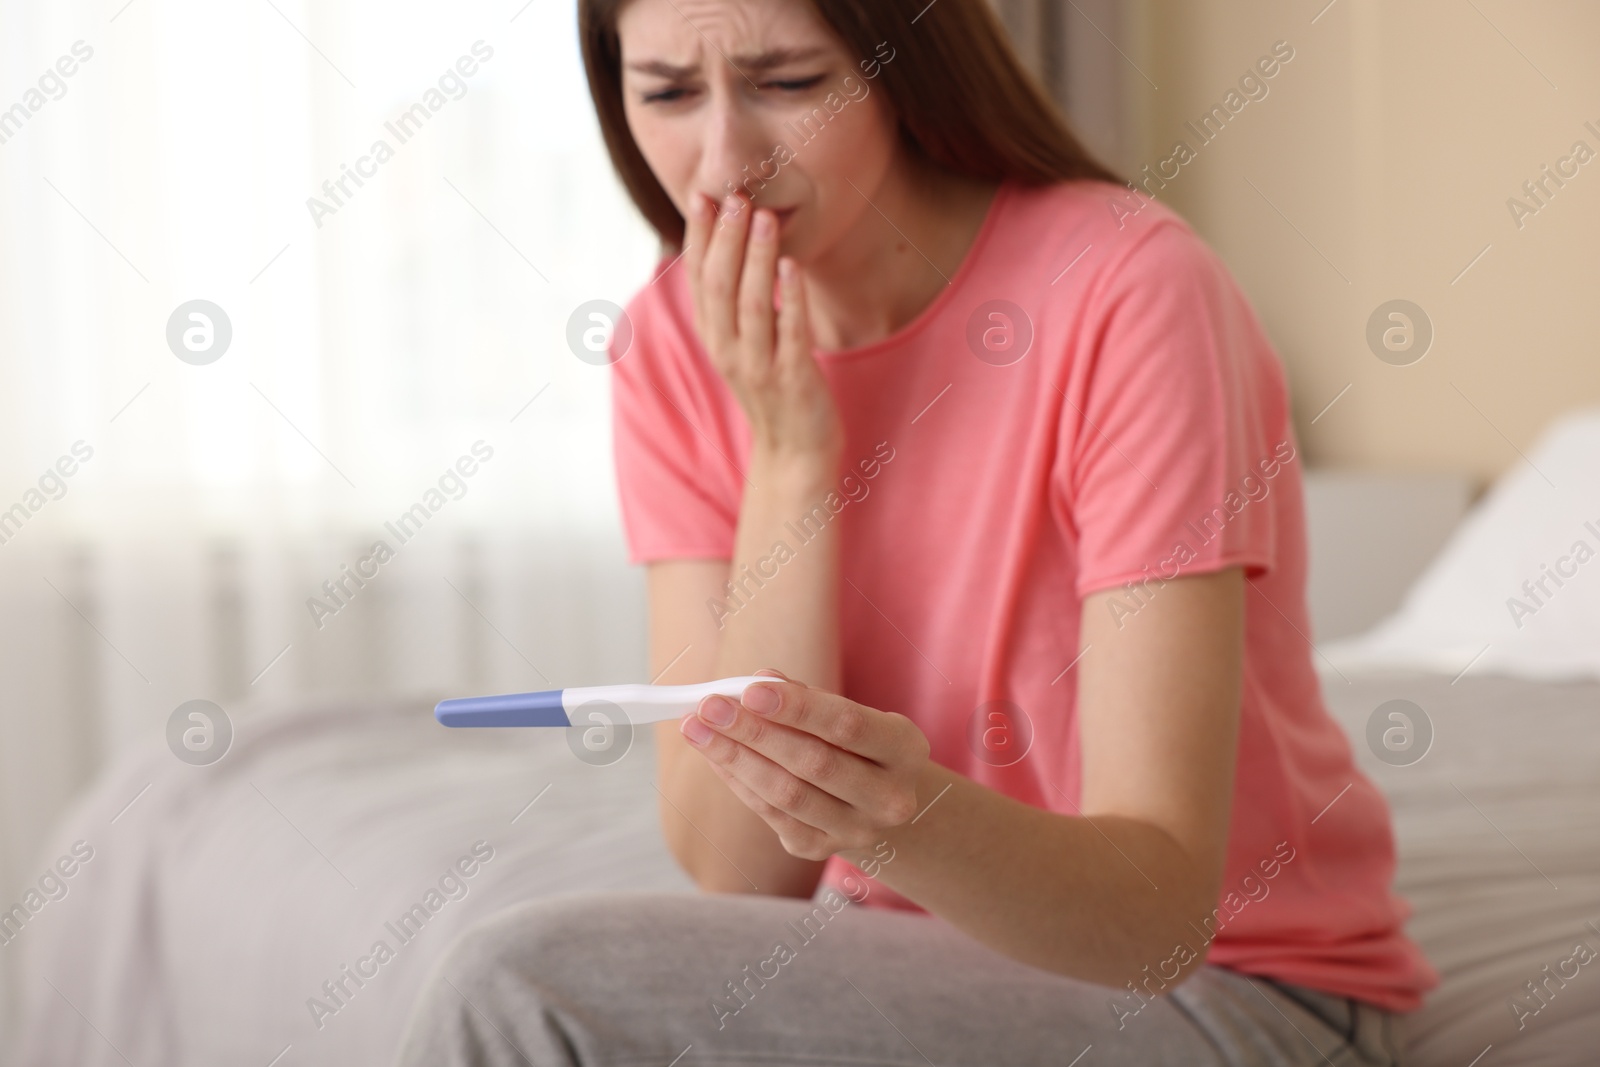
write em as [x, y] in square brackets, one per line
[1176, 425]
[672, 446]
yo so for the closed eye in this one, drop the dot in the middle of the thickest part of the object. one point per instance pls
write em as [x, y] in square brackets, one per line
[795, 85]
[664, 96]
[788, 85]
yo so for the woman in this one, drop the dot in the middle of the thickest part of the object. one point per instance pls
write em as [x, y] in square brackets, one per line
[986, 459]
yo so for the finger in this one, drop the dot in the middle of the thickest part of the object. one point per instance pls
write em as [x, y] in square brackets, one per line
[857, 782]
[719, 275]
[776, 785]
[840, 721]
[794, 321]
[798, 838]
[781, 822]
[773, 672]
[755, 311]
[696, 234]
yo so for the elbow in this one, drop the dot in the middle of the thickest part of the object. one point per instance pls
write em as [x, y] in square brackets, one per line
[1164, 946]
[1156, 974]
[1175, 934]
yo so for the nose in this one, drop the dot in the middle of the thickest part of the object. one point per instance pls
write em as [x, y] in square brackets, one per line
[730, 143]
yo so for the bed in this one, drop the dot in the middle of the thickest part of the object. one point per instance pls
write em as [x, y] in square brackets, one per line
[230, 913]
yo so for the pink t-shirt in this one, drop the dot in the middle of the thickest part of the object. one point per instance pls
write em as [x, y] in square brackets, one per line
[1090, 404]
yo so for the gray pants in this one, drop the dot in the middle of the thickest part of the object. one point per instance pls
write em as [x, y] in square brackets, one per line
[652, 980]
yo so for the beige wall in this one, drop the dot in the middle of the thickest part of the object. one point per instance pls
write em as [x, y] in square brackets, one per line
[1392, 142]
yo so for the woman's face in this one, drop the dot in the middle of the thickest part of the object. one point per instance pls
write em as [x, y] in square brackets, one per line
[762, 94]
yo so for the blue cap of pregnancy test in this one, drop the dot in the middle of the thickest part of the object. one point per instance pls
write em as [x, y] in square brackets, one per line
[511, 709]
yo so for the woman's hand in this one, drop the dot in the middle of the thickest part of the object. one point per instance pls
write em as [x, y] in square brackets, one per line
[769, 365]
[827, 774]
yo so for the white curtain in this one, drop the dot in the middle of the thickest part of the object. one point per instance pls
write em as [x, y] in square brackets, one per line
[372, 346]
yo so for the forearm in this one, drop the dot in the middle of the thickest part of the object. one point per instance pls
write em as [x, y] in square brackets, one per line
[781, 612]
[783, 608]
[1098, 900]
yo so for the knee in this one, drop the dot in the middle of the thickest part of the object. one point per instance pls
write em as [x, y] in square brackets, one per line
[544, 979]
[575, 948]
[530, 947]
[503, 990]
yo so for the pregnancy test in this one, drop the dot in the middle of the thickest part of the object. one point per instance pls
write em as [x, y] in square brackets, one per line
[554, 707]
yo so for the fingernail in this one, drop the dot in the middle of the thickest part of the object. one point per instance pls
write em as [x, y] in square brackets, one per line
[761, 699]
[718, 711]
[766, 224]
[730, 206]
[696, 731]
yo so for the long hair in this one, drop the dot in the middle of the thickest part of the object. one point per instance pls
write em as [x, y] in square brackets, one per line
[963, 98]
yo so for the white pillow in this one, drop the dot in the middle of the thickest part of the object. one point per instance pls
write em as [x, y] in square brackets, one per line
[1516, 589]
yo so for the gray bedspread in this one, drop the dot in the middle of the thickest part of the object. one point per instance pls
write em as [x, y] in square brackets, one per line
[217, 905]
[225, 908]
[1499, 838]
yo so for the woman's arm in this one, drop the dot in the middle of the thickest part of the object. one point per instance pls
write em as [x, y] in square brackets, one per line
[1099, 895]
[789, 621]
[783, 608]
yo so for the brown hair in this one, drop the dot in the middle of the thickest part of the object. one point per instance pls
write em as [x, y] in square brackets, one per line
[964, 100]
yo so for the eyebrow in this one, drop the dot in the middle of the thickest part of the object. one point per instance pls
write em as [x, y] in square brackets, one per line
[759, 62]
